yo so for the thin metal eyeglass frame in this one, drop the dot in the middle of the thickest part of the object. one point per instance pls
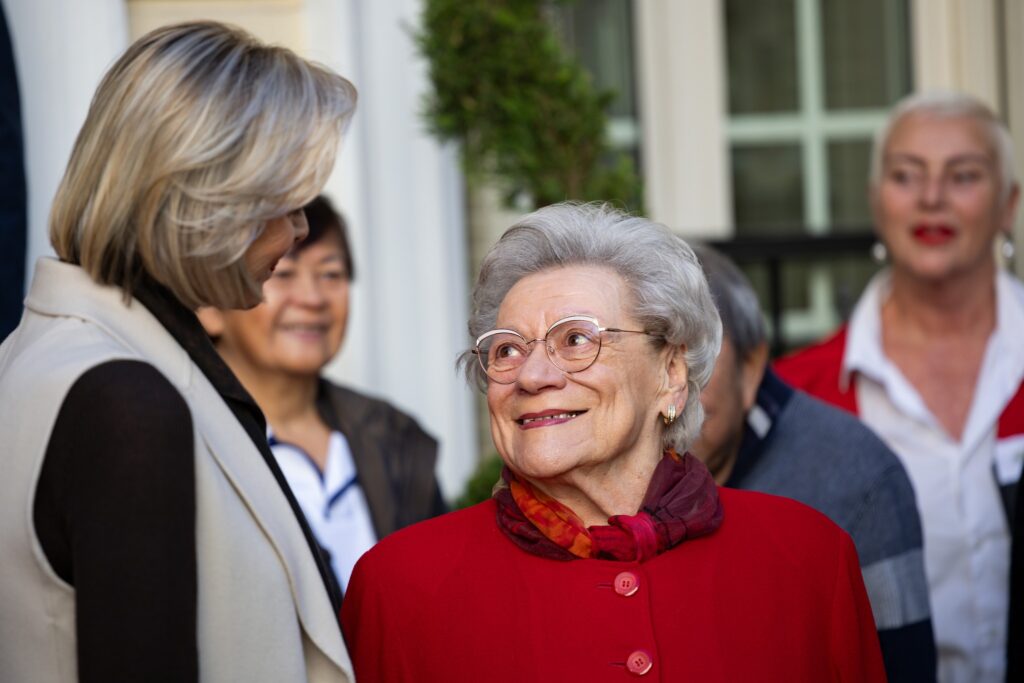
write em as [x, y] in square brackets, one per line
[548, 352]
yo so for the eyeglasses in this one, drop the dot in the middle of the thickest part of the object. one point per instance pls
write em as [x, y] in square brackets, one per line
[572, 345]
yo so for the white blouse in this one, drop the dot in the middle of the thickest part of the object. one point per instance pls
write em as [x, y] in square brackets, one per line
[332, 500]
[966, 532]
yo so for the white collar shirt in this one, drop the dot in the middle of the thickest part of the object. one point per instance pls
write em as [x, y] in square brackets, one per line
[966, 534]
[332, 500]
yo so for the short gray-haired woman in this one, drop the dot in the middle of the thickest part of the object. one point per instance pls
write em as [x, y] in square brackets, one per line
[932, 359]
[608, 551]
[146, 530]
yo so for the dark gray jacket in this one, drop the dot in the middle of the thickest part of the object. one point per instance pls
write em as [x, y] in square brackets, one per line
[394, 457]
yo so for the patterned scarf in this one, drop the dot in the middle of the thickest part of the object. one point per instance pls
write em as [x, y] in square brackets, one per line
[681, 502]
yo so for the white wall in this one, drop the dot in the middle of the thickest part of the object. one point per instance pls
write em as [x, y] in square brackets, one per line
[402, 195]
[61, 48]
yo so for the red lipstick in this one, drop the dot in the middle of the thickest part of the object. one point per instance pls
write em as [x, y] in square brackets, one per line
[933, 234]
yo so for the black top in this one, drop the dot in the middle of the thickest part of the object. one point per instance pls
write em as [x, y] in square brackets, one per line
[115, 506]
[1015, 634]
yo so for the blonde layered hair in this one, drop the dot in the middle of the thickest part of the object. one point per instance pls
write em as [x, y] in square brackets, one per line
[196, 137]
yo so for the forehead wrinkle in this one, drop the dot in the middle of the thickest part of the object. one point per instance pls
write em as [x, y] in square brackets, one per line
[555, 319]
[547, 296]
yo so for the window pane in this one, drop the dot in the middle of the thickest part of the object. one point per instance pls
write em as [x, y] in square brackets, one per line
[761, 53]
[842, 278]
[600, 32]
[768, 189]
[848, 162]
[866, 52]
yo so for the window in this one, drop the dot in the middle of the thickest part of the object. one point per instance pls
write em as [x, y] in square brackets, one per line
[600, 34]
[809, 81]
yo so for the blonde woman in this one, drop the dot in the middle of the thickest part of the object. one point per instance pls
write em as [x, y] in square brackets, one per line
[146, 529]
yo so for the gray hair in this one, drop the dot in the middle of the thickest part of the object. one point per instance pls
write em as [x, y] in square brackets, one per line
[664, 278]
[737, 302]
[949, 105]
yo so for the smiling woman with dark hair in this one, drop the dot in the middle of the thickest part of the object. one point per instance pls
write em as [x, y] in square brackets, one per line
[607, 550]
[360, 468]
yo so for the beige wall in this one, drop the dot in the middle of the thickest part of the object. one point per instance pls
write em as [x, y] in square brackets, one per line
[1013, 72]
[275, 21]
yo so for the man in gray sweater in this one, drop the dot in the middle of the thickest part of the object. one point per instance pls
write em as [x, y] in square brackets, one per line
[760, 434]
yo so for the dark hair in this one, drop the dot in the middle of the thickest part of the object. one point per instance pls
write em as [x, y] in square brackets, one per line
[325, 221]
[737, 302]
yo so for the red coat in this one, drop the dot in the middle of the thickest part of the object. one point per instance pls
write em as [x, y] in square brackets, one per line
[774, 595]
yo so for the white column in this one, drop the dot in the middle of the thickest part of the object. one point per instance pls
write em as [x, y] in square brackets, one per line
[61, 48]
[680, 50]
[403, 196]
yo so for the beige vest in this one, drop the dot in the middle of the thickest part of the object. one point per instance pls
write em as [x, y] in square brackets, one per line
[263, 613]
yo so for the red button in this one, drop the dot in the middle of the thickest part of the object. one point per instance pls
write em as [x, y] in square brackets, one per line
[626, 584]
[639, 663]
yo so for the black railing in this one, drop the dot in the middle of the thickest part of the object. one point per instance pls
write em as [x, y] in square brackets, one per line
[776, 252]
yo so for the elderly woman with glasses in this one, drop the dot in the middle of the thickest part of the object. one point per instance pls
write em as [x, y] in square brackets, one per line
[607, 551]
[932, 360]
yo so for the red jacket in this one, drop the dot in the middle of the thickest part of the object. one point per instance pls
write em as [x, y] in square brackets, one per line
[816, 369]
[774, 595]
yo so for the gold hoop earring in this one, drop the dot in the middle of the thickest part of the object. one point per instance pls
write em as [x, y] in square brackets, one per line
[671, 416]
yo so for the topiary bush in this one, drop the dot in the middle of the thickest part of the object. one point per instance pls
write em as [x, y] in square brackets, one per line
[480, 485]
[523, 111]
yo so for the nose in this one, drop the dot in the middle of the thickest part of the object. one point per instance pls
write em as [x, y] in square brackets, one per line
[538, 372]
[933, 190]
[307, 290]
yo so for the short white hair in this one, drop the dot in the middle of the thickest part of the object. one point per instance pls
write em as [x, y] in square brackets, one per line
[949, 105]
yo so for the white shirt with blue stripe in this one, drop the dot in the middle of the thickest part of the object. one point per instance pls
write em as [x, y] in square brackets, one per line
[332, 500]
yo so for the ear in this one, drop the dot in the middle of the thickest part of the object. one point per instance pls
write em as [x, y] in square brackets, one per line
[677, 374]
[212, 320]
[751, 374]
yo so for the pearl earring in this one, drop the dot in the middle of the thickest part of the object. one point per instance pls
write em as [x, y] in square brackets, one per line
[879, 253]
[1006, 248]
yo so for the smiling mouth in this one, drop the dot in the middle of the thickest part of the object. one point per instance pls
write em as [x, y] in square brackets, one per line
[548, 418]
[933, 234]
[305, 329]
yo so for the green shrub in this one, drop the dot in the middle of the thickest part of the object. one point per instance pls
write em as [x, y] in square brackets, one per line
[479, 486]
[523, 111]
